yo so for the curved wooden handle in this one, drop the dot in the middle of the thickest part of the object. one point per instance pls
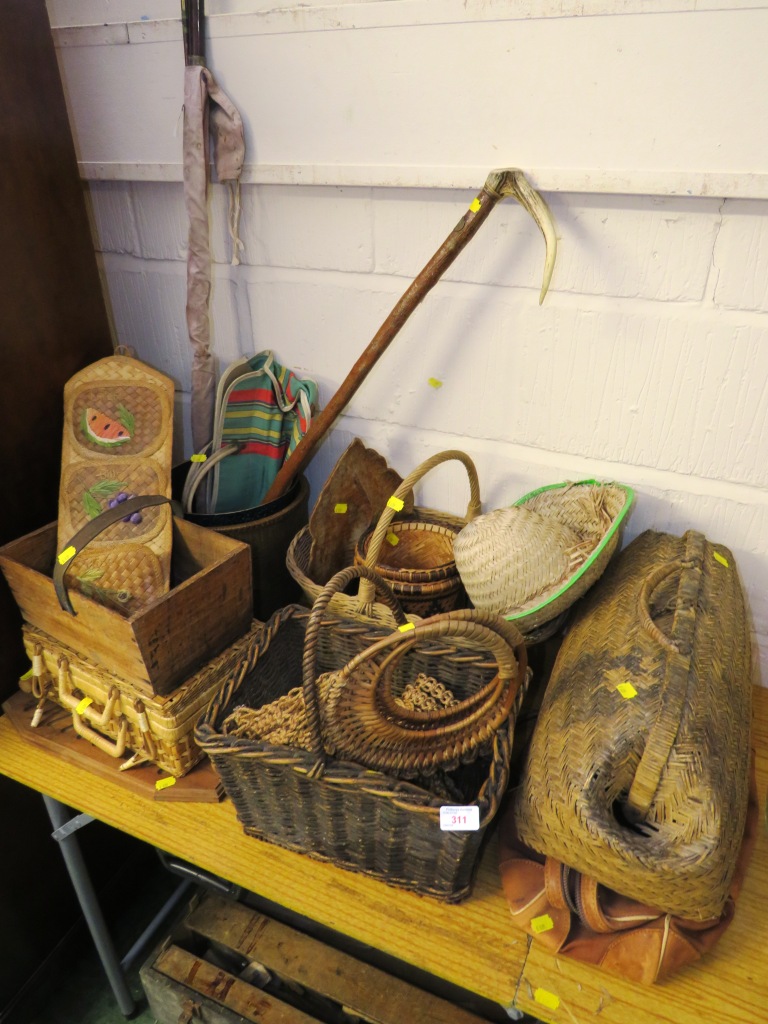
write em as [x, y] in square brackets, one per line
[365, 596]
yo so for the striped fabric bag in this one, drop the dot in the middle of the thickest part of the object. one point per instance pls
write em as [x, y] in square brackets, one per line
[262, 411]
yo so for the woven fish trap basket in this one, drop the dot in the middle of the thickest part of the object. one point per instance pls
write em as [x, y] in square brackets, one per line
[638, 769]
[422, 574]
[337, 810]
[532, 561]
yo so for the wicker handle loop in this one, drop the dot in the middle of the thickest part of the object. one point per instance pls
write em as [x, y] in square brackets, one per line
[115, 748]
[465, 624]
[334, 585]
[662, 734]
[391, 738]
[650, 583]
[474, 506]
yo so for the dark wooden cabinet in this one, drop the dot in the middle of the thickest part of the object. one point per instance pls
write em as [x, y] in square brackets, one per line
[53, 321]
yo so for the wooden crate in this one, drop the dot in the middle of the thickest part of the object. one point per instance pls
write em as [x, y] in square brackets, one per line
[209, 605]
[227, 964]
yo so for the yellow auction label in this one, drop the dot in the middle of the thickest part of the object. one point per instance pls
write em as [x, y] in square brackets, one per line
[340, 508]
[84, 703]
[396, 503]
[548, 999]
[474, 205]
[165, 783]
[543, 923]
[406, 626]
[67, 555]
[392, 538]
[435, 383]
[627, 690]
[721, 559]
[200, 457]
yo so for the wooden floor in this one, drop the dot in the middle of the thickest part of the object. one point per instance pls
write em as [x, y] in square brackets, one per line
[473, 944]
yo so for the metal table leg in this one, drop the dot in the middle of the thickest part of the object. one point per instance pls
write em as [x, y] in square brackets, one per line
[64, 833]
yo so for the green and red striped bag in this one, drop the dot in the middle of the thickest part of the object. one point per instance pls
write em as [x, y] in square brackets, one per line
[262, 411]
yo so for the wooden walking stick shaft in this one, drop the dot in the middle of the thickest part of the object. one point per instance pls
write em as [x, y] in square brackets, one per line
[498, 185]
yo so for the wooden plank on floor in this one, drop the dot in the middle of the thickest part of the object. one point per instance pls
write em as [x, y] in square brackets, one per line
[188, 972]
[359, 988]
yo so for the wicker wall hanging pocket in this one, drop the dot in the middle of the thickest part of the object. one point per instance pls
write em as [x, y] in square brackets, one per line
[637, 774]
[117, 441]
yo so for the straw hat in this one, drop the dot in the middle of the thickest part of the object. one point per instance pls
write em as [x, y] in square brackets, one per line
[530, 562]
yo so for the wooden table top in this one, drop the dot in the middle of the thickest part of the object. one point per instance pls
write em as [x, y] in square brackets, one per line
[471, 944]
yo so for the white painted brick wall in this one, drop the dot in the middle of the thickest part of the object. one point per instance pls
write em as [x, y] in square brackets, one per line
[647, 363]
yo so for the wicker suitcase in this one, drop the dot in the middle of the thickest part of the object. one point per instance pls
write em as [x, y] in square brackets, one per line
[115, 715]
[638, 769]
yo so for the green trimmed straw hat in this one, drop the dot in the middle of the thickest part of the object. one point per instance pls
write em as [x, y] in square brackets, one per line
[532, 561]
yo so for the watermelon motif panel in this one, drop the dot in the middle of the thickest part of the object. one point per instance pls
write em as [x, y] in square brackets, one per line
[117, 445]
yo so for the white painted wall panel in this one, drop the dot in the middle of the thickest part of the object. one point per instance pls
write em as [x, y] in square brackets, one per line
[113, 220]
[327, 229]
[741, 257]
[669, 93]
[656, 248]
[648, 362]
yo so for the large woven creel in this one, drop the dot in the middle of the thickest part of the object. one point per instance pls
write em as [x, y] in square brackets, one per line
[637, 774]
[532, 561]
[418, 563]
[335, 810]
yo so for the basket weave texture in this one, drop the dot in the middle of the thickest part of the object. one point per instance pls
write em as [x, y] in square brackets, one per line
[422, 573]
[337, 810]
[161, 728]
[638, 769]
[129, 564]
[532, 561]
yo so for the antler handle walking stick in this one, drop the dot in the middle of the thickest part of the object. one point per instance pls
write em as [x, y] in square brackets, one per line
[498, 185]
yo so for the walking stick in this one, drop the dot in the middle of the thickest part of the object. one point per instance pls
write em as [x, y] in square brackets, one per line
[498, 186]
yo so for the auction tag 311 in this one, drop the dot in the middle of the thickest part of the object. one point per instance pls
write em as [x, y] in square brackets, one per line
[460, 819]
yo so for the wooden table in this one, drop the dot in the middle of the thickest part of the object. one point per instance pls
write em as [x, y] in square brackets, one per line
[472, 945]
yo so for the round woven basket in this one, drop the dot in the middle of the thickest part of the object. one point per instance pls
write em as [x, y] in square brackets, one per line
[531, 562]
[422, 574]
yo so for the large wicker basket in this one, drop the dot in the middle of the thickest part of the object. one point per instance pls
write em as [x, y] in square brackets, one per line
[637, 774]
[425, 579]
[338, 811]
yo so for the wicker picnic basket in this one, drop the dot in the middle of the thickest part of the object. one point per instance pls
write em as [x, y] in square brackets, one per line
[337, 810]
[638, 770]
[419, 565]
[118, 717]
[532, 561]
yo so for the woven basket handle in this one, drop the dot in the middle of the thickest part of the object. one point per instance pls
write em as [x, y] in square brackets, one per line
[408, 740]
[365, 597]
[663, 732]
[335, 584]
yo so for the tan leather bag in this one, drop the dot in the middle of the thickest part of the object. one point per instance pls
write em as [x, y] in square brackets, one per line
[572, 915]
